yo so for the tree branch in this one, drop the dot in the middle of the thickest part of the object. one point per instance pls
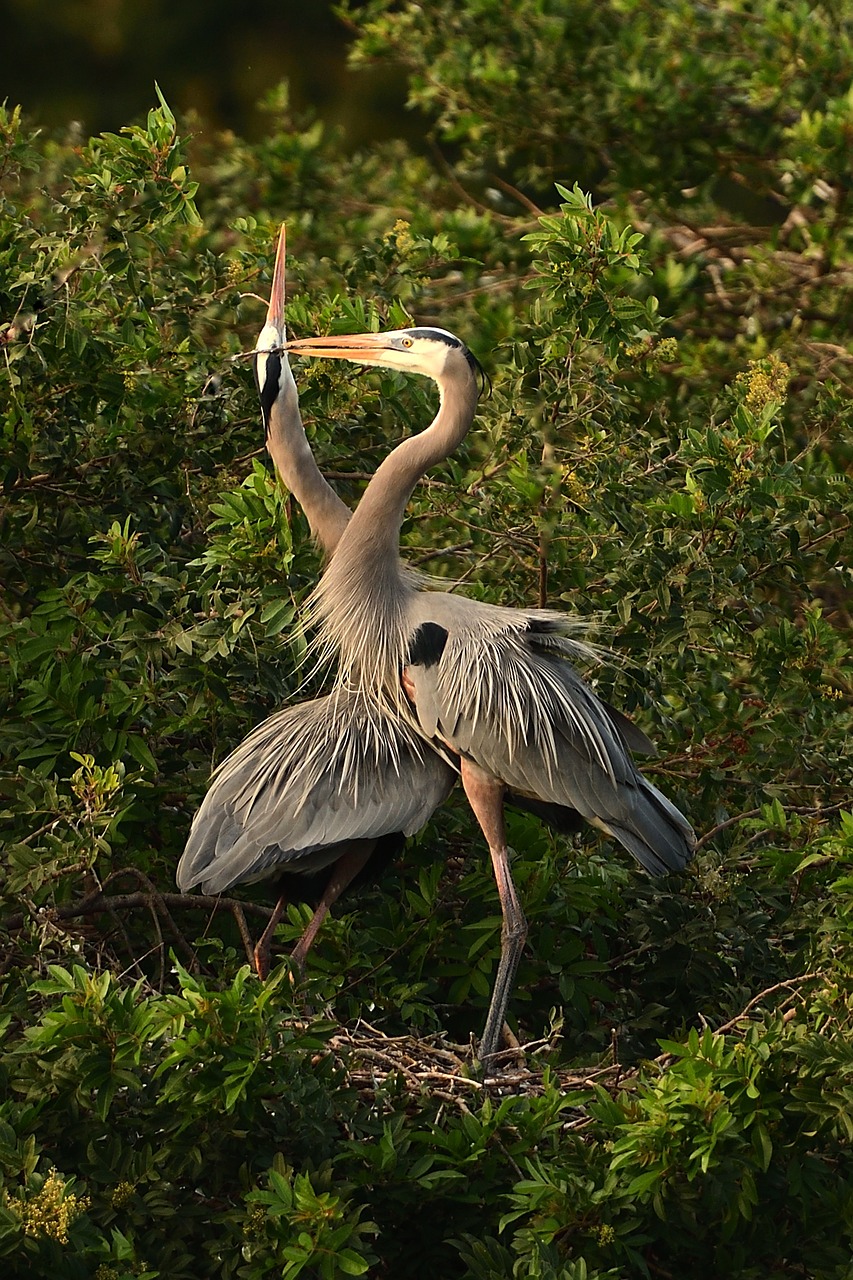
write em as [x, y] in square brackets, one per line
[100, 902]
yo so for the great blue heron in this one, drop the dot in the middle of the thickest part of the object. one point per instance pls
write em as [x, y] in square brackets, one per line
[322, 788]
[494, 685]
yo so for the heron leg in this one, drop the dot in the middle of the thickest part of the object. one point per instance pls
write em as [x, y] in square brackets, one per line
[485, 795]
[344, 872]
[262, 946]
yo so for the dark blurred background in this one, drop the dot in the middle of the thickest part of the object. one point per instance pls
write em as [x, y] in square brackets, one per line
[95, 61]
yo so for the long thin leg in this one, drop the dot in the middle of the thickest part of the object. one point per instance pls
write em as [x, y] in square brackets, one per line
[485, 795]
[262, 946]
[344, 872]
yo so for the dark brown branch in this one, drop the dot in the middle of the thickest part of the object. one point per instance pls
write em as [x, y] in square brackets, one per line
[514, 192]
[118, 924]
[99, 902]
[157, 907]
[240, 916]
[788, 985]
[802, 809]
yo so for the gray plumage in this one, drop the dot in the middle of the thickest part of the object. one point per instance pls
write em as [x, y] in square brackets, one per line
[303, 784]
[497, 686]
[525, 716]
[326, 785]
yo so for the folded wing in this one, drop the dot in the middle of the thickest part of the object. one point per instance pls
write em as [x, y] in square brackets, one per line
[303, 785]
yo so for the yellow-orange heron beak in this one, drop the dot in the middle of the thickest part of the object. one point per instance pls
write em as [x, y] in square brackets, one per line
[278, 293]
[366, 348]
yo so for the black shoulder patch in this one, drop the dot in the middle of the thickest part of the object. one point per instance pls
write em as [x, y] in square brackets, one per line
[541, 627]
[269, 391]
[427, 645]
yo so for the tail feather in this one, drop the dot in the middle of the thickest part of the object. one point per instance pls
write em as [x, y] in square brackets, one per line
[655, 832]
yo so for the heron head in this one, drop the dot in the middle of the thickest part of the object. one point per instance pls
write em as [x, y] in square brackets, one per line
[272, 371]
[435, 353]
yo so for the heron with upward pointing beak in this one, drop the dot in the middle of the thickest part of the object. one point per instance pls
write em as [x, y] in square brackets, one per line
[322, 793]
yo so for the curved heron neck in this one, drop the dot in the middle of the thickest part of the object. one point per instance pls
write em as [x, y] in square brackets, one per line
[374, 531]
[287, 445]
[363, 599]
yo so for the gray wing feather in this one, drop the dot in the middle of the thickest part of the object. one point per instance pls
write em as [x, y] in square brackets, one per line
[635, 739]
[523, 713]
[303, 784]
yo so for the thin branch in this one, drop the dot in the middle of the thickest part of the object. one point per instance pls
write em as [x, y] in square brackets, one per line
[514, 192]
[240, 916]
[802, 809]
[119, 927]
[158, 906]
[98, 903]
[768, 991]
[724, 826]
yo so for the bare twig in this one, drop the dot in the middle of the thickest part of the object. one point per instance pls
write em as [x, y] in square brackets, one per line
[99, 903]
[240, 916]
[119, 926]
[787, 985]
[510, 190]
[158, 906]
[804, 810]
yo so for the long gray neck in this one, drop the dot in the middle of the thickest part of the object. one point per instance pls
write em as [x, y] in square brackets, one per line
[287, 444]
[361, 601]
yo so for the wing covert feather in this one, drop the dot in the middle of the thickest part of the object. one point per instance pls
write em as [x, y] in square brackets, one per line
[304, 783]
[522, 712]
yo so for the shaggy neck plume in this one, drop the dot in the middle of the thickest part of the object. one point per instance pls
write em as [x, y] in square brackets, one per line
[362, 602]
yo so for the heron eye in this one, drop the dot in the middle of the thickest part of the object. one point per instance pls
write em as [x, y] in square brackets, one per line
[406, 342]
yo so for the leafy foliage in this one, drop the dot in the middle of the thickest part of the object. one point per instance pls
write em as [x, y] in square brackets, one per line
[664, 455]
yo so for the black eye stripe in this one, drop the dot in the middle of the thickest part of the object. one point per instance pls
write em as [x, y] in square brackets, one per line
[450, 340]
[272, 379]
[436, 335]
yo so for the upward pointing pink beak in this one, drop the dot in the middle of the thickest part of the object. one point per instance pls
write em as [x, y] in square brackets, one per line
[278, 293]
